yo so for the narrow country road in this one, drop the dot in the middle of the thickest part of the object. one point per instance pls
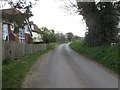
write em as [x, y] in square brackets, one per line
[64, 68]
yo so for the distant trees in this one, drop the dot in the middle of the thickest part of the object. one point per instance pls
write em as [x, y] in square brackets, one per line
[70, 36]
[77, 37]
[49, 35]
[60, 37]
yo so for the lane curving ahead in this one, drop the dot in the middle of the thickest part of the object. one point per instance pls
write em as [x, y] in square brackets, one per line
[65, 68]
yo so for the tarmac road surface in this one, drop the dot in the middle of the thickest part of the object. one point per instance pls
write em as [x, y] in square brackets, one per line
[65, 68]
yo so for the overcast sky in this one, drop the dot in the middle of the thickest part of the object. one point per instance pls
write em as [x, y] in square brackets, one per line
[47, 13]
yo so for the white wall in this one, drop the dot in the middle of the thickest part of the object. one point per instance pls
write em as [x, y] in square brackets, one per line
[36, 37]
[26, 29]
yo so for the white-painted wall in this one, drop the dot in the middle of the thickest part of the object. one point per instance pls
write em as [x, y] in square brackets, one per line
[26, 29]
[36, 37]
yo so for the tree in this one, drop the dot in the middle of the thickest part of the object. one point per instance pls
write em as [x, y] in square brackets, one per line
[70, 36]
[101, 20]
[23, 18]
[108, 21]
[89, 12]
[45, 34]
[60, 37]
[52, 35]
[77, 37]
[48, 35]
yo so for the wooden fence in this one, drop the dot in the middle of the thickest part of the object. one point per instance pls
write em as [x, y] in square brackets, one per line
[15, 50]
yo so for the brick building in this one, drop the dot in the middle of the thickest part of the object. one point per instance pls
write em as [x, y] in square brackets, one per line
[23, 35]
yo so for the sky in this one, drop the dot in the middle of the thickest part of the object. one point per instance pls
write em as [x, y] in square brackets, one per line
[51, 14]
[47, 13]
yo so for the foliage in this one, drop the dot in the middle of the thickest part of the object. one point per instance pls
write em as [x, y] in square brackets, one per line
[107, 22]
[52, 35]
[22, 18]
[22, 5]
[101, 20]
[60, 37]
[47, 35]
[14, 71]
[70, 36]
[105, 54]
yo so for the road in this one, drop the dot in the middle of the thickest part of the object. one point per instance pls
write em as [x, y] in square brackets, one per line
[64, 68]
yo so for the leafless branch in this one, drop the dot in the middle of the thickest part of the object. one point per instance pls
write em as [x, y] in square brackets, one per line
[73, 4]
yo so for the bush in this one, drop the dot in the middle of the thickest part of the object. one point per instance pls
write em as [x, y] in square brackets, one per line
[105, 54]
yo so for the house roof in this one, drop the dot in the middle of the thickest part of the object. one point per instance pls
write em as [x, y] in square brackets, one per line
[36, 29]
[11, 11]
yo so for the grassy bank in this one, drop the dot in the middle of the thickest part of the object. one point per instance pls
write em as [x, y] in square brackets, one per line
[106, 54]
[14, 71]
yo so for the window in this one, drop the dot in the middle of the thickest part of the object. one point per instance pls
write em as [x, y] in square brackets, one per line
[21, 40]
[5, 32]
[21, 36]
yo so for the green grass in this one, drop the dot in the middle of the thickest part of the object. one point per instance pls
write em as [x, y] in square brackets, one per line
[14, 71]
[106, 54]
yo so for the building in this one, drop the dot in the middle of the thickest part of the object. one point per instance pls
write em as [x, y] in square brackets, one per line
[37, 37]
[10, 19]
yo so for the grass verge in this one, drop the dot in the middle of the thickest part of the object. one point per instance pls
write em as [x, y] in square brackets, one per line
[106, 54]
[14, 71]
